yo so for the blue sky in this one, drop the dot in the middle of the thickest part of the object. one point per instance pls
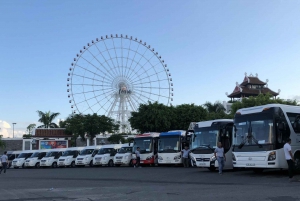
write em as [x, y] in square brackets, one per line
[208, 46]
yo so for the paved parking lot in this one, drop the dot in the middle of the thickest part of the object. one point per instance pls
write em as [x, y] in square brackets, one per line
[147, 183]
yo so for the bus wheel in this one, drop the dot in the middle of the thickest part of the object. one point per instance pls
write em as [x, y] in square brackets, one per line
[212, 169]
[258, 170]
[91, 164]
[23, 166]
[37, 165]
[110, 163]
[72, 164]
[54, 165]
[131, 163]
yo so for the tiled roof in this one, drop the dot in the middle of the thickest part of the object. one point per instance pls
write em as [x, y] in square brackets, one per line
[252, 80]
[51, 132]
[250, 92]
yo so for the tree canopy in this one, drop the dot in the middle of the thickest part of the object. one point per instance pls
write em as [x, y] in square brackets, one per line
[116, 138]
[261, 99]
[46, 118]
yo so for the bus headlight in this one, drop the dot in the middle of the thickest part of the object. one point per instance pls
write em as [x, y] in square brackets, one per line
[272, 156]
[177, 157]
[126, 157]
[213, 158]
[233, 157]
[149, 158]
[160, 158]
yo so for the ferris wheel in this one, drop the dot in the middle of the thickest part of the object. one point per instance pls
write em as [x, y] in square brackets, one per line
[113, 74]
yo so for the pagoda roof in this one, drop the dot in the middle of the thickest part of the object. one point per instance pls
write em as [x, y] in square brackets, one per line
[252, 80]
[245, 91]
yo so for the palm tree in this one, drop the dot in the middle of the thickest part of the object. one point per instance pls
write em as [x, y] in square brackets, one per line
[47, 118]
[214, 107]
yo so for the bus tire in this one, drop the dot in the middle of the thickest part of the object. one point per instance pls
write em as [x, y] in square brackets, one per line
[131, 163]
[91, 164]
[110, 163]
[54, 165]
[37, 165]
[72, 164]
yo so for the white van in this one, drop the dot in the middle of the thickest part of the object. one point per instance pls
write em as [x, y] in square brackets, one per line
[105, 155]
[35, 159]
[86, 156]
[68, 157]
[20, 160]
[124, 155]
[11, 155]
[51, 158]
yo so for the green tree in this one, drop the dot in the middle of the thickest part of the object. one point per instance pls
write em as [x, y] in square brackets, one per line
[214, 107]
[154, 117]
[116, 138]
[2, 143]
[30, 128]
[46, 118]
[261, 99]
[187, 113]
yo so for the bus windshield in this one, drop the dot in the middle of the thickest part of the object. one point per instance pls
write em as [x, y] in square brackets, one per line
[86, 152]
[52, 153]
[170, 144]
[205, 137]
[144, 143]
[24, 155]
[36, 154]
[124, 150]
[69, 153]
[254, 129]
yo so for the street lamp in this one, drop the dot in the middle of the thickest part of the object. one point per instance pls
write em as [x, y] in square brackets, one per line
[14, 130]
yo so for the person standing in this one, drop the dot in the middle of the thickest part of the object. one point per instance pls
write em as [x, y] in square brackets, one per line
[4, 161]
[220, 156]
[289, 158]
[185, 156]
[138, 158]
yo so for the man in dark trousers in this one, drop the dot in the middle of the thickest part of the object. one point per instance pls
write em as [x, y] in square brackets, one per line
[4, 161]
[138, 157]
[289, 158]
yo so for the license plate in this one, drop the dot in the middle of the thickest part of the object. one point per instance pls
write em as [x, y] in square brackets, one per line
[250, 164]
[26, 164]
[61, 163]
[118, 160]
[201, 164]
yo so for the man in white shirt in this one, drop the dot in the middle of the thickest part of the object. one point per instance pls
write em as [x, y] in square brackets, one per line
[289, 157]
[4, 161]
[185, 156]
[138, 158]
[220, 156]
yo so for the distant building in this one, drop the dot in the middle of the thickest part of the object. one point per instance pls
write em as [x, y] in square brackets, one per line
[251, 86]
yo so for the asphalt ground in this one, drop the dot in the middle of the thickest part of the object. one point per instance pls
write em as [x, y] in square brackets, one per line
[145, 184]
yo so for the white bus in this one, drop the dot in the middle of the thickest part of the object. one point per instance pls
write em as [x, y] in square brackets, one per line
[260, 134]
[20, 160]
[86, 156]
[124, 155]
[68, 157]
[206, 136]
[51, 158]
[170, 145]
[35, 159]
[105, 155]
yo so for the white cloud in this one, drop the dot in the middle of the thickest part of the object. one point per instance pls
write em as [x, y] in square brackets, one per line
[6, 130]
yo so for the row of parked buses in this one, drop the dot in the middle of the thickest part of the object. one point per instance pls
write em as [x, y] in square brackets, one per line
[253, 139]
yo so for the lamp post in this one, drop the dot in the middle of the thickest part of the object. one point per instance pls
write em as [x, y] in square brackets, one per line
[14, 129]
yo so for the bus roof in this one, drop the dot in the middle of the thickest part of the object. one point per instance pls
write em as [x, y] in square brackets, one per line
[202, 124]
[147, 135]
[257, 109]
[172, 133]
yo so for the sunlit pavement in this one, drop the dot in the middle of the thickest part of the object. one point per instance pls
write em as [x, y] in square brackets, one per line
[147, 183]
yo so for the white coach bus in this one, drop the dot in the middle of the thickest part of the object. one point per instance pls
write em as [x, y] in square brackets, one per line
[206, 136]
[260, 133]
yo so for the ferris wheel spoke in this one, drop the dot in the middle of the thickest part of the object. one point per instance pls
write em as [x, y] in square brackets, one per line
[86, 77]
[152, 93]
[125, 73]
[91, 72]
[105, 62]
[156, 73]
[91, 64]
[116, 56]
[88, 92]
[152, 87]
[100, 64]
[142, 67]
[141, 94]
[138, 63]
[135, 52]
[110, 56]
[98, 102]
[138, 99]
[153, 68]
[143, 78]
[132, 104]
[154, 81]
